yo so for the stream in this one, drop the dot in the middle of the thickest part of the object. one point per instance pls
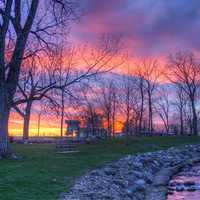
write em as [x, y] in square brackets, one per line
[185, 185]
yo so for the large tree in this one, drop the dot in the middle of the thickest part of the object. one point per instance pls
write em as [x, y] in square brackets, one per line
[108, 102]
[148, 72]
[163, 106]
[185, 73]
[20, 23]
[181, 103]
[75, 65]
[35, 83]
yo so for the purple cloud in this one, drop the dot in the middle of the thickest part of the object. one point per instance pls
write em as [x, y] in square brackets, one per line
[150, 27]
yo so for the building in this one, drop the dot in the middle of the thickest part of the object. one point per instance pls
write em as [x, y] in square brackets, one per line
[75, 130]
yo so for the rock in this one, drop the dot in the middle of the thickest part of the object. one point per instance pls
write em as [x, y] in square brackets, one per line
[197, 186]
[148, 177]
[140, 185]
[191, 188]
[139, 196]
[180, 188]
[170, 193]
[189, 183]
[16, 157]
[129, 192]
[171, 188]
[69, 197]
[95, 173]
[138, 174]
[119, 182]
[62, 195]
[172, 183]
[130, 177]
[137, 165]
[109, 171]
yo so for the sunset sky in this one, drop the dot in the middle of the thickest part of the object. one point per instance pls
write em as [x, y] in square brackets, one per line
[149, 28]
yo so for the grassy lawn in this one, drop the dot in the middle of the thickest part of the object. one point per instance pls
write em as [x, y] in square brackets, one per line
[43, 174]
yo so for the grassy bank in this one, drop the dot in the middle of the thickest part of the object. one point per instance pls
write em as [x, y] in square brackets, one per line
[43, 174]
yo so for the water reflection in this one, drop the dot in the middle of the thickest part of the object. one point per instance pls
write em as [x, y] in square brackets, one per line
[185, 196]
[181, 187]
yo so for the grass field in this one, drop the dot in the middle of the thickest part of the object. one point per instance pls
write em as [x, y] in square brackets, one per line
[43, 174]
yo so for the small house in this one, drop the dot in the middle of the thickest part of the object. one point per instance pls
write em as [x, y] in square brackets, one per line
[73, 128]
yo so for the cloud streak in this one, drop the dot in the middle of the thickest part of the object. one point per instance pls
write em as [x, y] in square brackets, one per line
[150, 27]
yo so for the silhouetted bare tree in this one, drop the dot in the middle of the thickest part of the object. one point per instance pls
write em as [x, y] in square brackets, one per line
[149, 73]
[20, 20]
[180, 104]
[34, 85]
[108, 103]
[74, 65]
[163, 107]
[129, 103]
[185, 73]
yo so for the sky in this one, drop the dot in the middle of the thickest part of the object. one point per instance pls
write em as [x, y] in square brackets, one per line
[148, 27]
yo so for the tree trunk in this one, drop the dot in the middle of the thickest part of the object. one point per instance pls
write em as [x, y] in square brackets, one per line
[62, 113]
[150, 115]
[141, 110]
[9, 78]
[181, 121]
[92, 125]
[113, 125]
[4, 116]
[108, 126]
[39, 118]
[113, 118]
[194, 119]
[128, 126]
[167, 126]
[27, 121]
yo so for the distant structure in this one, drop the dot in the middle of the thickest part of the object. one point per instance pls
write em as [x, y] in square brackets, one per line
[75, 130]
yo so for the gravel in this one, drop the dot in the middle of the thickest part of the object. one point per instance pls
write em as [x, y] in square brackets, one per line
[129, 177]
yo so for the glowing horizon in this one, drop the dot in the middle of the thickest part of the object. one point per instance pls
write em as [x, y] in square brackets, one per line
[149, 29]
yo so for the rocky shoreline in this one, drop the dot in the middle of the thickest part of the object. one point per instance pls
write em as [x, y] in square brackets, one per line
[134, 177]
[185, 183]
